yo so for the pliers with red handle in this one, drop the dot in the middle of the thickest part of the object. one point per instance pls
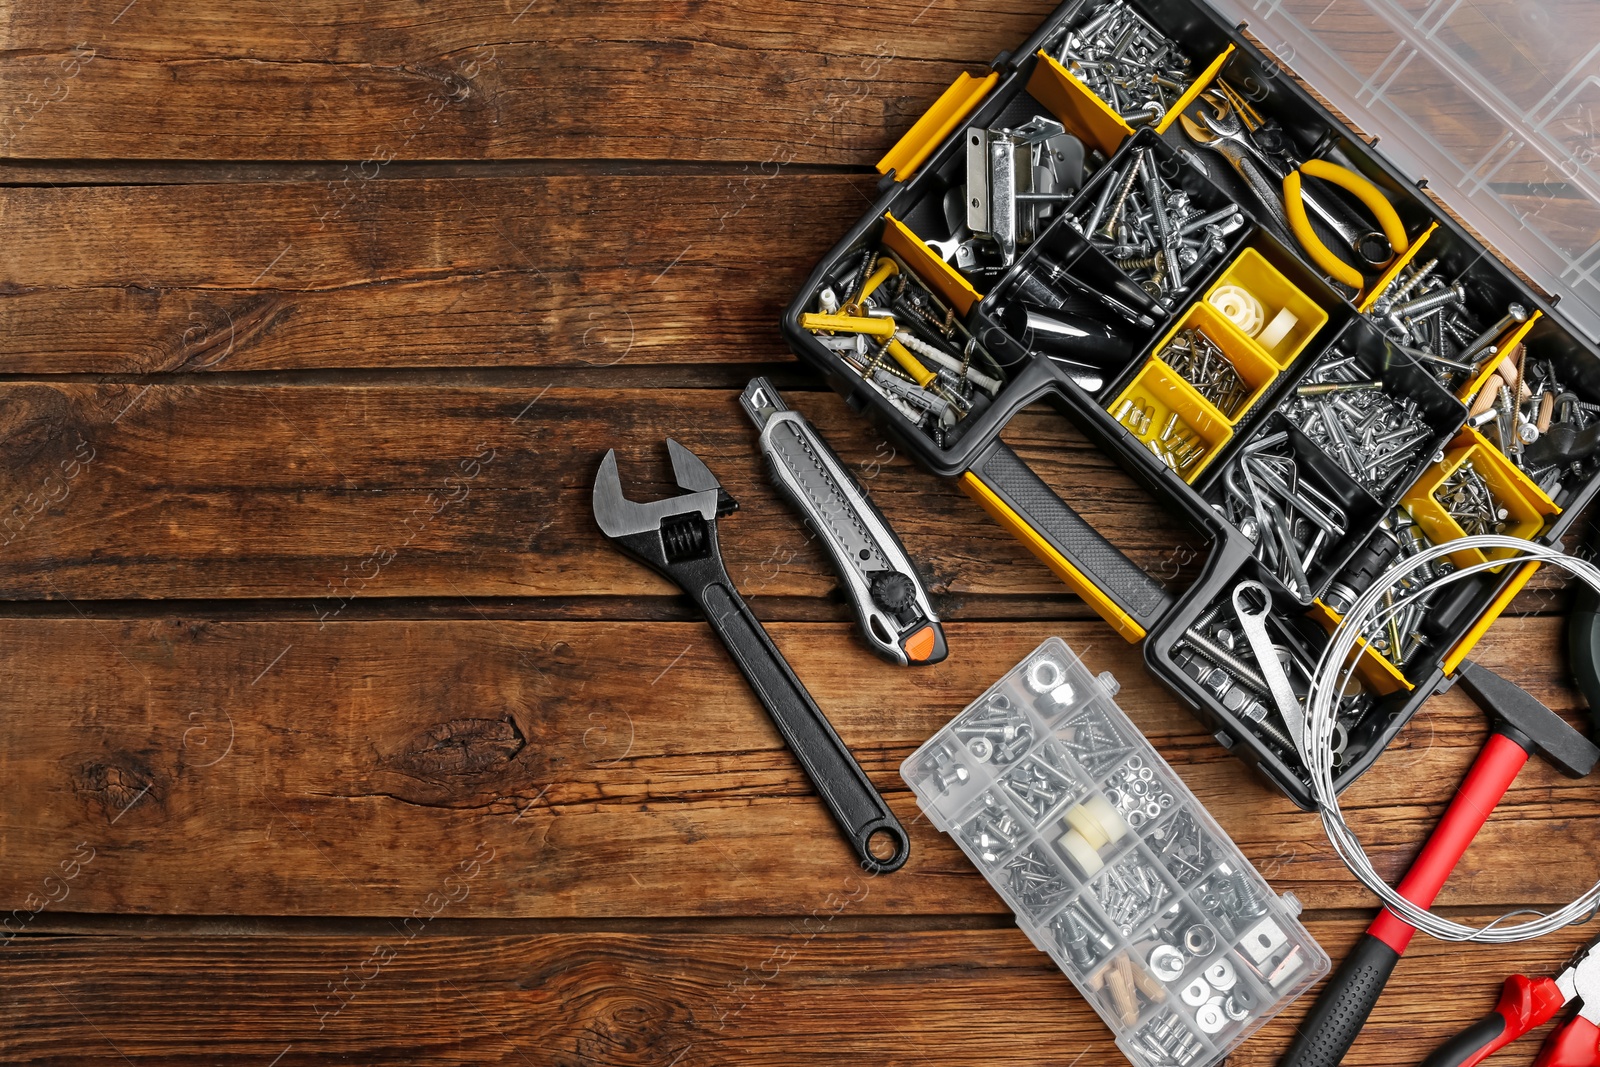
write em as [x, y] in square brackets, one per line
[1526, 1003]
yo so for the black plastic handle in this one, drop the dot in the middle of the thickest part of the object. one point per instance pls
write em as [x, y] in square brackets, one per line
[1341, 1011]
[1096, 569]
[856, 806]
[1471, 1045]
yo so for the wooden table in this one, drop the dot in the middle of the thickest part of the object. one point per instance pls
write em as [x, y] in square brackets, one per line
[333, 730]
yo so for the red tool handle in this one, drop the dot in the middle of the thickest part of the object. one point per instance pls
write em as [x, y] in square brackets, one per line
[1524, 1004]
[1576, 1044]
[1486, 783]
[1353, 990]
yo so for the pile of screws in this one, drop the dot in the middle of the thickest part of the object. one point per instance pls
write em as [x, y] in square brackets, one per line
[1177, 445]
[1372, 434]
[1169, 1041]
[1427, 318]
[999, 732]
[1136, 793]
[1094, 742]
[1036, 883]
[1277, 505]
[1039, 787]
[1150, 229]
[1126, 62]
[1231, 896]
[993, 831]
[1081, 936]
[1466, 497]
[927, 364]
[1204, 366]
[1534, 419]
[1183, 849]
[945, 769]
[1130, 893]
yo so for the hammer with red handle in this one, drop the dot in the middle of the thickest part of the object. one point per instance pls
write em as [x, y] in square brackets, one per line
[1522, 727]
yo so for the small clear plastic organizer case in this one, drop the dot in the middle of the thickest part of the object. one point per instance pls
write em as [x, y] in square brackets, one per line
[1112, 866]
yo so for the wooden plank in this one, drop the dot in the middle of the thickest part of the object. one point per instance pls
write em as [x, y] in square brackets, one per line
[388, 491]
[493, 272]
[785, 82]
[812, 991]
[617, 770]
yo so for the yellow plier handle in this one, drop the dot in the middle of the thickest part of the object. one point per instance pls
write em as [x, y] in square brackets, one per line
[1369, 195]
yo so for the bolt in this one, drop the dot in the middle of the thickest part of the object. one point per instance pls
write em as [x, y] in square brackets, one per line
[1451, 294]
[1515, 313]
[1242, 671]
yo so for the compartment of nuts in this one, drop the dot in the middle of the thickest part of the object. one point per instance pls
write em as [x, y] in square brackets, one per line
[1112, 866]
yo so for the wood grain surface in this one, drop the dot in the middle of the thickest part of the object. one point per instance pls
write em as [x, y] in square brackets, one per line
[335, 732]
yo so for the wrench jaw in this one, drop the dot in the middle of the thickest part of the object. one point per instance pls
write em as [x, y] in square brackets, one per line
[665, 535]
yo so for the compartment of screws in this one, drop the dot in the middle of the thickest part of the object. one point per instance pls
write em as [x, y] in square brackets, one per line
[989, 830]
[1378, 415]
[1094, 737]
[944, 779]
[1043, 783]
[1182, 847]
[1135, 69]
[1082, 936]
[998, 732]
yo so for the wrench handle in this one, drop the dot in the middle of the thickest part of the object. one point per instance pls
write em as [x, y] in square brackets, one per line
[856, 806]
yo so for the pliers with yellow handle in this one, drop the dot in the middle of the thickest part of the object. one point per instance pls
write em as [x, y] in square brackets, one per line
[1228, 124]
[1294, 205]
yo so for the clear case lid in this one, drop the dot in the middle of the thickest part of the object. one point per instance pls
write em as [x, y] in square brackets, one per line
[1495, 102]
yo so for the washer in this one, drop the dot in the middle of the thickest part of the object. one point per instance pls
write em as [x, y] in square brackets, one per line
[1196, 993]
[1044, 674]
[1166, 963]
[981, 748]
[1222, 976]
[1210, 1017]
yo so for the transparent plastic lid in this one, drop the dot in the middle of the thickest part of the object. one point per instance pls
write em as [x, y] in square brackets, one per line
[1495, 102]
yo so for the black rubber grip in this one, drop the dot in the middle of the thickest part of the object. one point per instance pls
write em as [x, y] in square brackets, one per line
[1583, 650]
[1009, 478]
[1471, 1044]
[1341, 1011]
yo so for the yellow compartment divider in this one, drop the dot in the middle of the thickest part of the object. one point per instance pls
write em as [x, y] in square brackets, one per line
[1252, 271]
[1075, 104]
[945, 280]
[1192, 93]
[1370, 297]
[1513, 473]
[1161, 392]
[1075, 579]
[926, 134]
[1490, 614]
[1510, 341]
[1254, 368]
[1508, 485]
[1373, 667]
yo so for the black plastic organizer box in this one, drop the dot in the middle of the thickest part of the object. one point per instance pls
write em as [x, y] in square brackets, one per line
[1057, 230]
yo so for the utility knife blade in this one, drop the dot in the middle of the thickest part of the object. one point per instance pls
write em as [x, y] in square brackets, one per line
[890, 602]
